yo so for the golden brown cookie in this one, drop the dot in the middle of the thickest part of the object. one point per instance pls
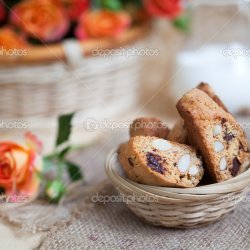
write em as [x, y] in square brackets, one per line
[215, 133]
[210, 92]
[149, 127]
[179, 133]
[158, 162]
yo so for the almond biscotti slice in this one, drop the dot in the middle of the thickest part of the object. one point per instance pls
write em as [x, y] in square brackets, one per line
[147, 126]
[126, 162]
[215, 133]
[158, 162]
[205, 87]
[179, 132]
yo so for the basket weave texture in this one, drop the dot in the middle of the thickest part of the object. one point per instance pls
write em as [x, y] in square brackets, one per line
[45, 83]
[49, 90]
[177, 207]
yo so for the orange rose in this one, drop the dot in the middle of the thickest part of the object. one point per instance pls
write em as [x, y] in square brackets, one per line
[40, 19]
[18, 169]
[11, 40]
[102, 23]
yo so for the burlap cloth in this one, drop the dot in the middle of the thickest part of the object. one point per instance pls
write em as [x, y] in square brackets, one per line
[113, 226]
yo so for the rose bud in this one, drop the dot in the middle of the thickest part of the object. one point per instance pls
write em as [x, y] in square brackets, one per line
[19, 166]
[11, 40]
[102, 23]
[42, 19]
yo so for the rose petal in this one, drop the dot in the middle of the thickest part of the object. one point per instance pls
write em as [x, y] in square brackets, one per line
[102, 23]
[33, 142]
[44, 20]
[163, 8]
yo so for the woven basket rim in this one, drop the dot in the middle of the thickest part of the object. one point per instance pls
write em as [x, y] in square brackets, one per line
[235, 184]
[55, 52]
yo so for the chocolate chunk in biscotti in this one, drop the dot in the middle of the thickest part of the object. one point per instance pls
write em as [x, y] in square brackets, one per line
[215, 133]
[179, 132]
[149, 127]
[158, 162]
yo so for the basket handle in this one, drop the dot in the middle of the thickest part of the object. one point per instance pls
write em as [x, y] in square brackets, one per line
[73, 52]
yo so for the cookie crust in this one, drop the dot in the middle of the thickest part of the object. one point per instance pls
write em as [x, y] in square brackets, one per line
[215, 133]
[144, 160]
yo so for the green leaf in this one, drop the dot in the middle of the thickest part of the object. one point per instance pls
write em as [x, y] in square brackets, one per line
[137, 3]
[64, 152]
[183, 22]
[96, 4]
[74, 171]
[64, 128]
[114, 5]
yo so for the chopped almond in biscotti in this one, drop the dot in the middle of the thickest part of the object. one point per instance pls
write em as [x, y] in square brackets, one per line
[158, 162]
[179, 132]
[149, 127]
[215, 133]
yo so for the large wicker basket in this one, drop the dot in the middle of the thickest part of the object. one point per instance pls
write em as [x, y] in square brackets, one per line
[61, 78]
[71, 76]
[178, 207]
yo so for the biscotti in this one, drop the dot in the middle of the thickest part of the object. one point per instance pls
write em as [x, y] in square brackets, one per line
[215, 133]
[158, 162]
[179, 132]
[149, 127]
[210, 92]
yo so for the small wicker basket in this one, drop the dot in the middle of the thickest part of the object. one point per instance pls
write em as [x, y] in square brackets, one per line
[178, 207]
